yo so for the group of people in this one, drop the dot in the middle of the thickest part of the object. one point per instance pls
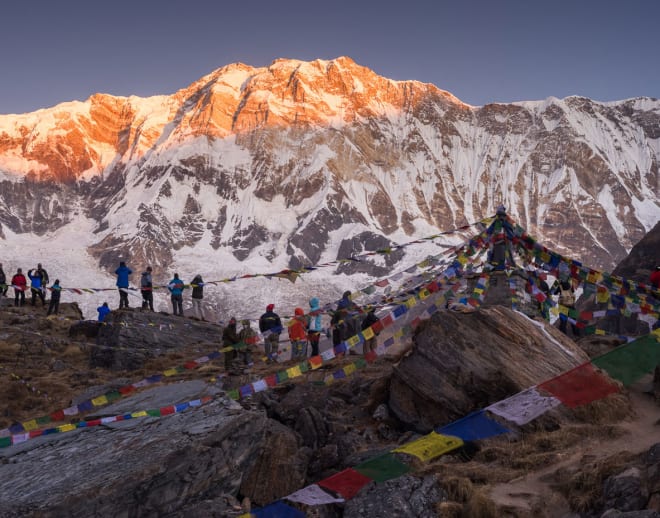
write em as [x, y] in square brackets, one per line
[39, 281]
[175, 287]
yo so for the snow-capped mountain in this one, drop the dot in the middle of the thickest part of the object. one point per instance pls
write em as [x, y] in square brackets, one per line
[301, 162]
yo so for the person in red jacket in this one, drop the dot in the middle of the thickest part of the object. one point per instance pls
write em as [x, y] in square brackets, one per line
[19, 282]
[655, 278]
[298, 335]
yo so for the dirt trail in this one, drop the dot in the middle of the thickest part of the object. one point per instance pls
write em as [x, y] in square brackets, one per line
[524, 494]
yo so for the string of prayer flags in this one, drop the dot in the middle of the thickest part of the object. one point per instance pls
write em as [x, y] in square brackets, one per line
[473, 427]
[345, 483]
[580, 386]
[629, 362]
[313, 495]
[430, 446]
[523, 407]
[383, 468]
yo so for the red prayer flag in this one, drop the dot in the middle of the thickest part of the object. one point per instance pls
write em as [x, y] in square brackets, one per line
[57, 416]
[370, 356]
[126, 390]
[377, 326]
[190, 365]
[167, 410]
[346, 483]
[580, 386]
[271, 381]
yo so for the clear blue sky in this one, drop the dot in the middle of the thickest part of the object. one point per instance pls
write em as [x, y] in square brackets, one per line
[481, 51]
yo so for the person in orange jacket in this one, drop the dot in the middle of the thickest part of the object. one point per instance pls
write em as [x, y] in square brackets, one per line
[298, 334]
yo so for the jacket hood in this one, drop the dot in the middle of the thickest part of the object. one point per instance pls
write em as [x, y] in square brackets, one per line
[314, 303]
[299, 312]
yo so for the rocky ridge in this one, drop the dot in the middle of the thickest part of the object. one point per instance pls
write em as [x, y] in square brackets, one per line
[225, 456]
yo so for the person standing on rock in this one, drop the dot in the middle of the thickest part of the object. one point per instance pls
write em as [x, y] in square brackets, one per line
[344, 319]
[314, 325]
[55, 292]
[567, 299]
[297, 327]
[197, 296]
[19, 282]
[44, 276]
[122, 273]
[103, 311]
[247, 338]
[176, 288]
[147, 289]
[270, 326]
[370, 344]
[35, 286]
[3, 282]
[230, 339]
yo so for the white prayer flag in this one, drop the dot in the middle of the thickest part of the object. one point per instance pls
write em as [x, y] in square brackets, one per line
[523, 407]
[313, 495]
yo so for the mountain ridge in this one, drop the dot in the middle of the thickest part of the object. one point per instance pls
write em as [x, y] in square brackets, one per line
[288, 163]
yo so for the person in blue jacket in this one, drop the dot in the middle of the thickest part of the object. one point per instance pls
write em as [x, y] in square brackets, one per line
[176, 288]
[123, 272]
[36, 287]
[314, 325]
[103, 311]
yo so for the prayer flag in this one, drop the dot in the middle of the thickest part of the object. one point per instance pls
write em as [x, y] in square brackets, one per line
[430, 446]
[277, 510]
[382, 468]
[580, 386]
[100, 401]
[523, 407]
[629, 362]
[313, 495]
[347, 483]
[473, 427]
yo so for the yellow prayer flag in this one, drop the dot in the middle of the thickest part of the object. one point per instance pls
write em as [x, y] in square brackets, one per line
[424, 294]
[353, 340]
[141, 413]
[30, 425]
[368, 333]
[411, 302]
[66, 427]
[656, 332]
[170, 372]
[563, 310]
[602, 296]
[99, 401]
[430, 446]
[600, 332]
[349, 369]
[294, 371]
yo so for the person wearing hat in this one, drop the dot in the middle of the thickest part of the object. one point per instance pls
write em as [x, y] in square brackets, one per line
[197, 295]
[271, 327]
[655, 278]
[247, 338]
[297, 328]
[147, 289]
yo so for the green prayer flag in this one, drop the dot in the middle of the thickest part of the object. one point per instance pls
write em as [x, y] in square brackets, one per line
[111, 396]
[629, 362]
[382, 468]
[233, 394]
[154, 413]
[44, 419]
[5, 442]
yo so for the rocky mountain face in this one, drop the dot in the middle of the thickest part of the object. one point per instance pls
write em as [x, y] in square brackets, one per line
[288, 163]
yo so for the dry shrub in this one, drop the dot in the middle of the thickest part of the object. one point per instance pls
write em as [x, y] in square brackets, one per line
[582, 488]
[612, 409]
[459, 489]
[449, 510]
[480, 506]
[476, 472]
[72, 352]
